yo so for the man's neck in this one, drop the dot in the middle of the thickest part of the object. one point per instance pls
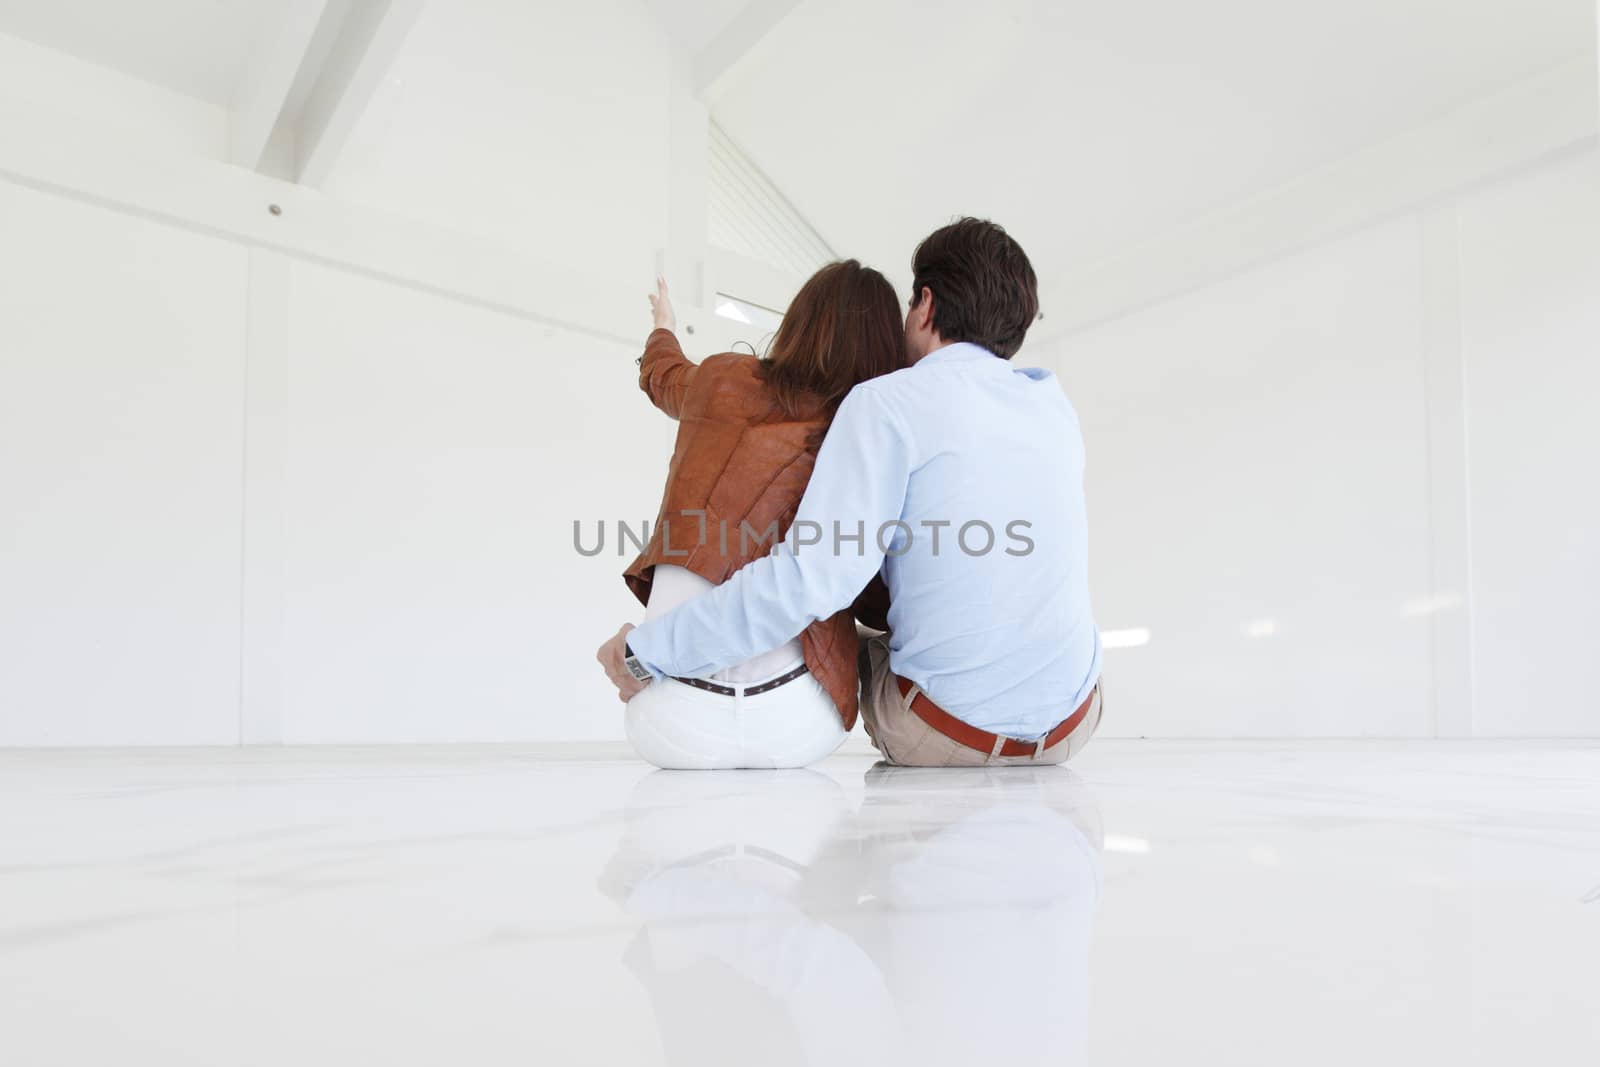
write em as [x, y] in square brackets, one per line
[938, 343]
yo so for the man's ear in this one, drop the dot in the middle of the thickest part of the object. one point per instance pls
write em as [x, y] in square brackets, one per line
[924, 309]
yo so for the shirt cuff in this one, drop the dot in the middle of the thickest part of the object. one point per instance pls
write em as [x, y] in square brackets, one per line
[645, 641]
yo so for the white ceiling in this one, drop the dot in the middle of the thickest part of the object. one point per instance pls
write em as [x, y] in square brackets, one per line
[1083, 125]
[199, 47]
[693, 24]
[195, 47]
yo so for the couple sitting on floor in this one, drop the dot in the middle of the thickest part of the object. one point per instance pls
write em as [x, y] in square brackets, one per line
[906, 478]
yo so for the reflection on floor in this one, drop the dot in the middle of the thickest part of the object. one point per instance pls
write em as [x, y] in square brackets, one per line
[1156, 903]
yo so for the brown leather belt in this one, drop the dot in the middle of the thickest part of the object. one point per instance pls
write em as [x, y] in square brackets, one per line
[749, 690]
[967, 734]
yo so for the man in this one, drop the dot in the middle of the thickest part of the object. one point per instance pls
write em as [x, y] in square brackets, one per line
[961, 477]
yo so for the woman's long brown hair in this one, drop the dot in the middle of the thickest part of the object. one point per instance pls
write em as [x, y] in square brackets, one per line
[842, 328]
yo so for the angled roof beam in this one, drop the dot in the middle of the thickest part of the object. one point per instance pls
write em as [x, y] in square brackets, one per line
[744, 32]
[367, 44]
[258, 100]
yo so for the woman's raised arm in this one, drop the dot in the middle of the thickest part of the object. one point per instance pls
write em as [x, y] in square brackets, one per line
[664, 371]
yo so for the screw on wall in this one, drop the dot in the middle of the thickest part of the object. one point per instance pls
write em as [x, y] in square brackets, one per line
[689, 329]
[275, 209]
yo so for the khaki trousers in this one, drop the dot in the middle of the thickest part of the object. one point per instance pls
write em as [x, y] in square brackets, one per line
[904, 739]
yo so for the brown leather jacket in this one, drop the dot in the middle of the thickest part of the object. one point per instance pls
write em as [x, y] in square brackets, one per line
[741, 460]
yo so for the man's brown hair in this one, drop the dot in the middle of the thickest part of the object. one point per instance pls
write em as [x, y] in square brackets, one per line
[984, 289]
[841, 329]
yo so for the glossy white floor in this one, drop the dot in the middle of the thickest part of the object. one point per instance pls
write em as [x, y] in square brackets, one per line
[1156, 904]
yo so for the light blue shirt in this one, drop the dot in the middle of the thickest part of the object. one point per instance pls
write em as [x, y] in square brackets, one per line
[996, 627]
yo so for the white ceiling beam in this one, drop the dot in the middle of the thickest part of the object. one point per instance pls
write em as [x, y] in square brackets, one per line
[258, 99]
[371, 37]
[754, 21]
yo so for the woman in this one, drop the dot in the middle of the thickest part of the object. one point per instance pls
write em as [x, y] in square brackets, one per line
[748, 433]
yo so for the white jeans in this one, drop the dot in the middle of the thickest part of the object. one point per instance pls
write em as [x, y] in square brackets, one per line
[683, 728]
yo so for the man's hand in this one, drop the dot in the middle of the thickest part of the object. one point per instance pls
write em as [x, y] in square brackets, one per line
[661, 307]
[611, 657]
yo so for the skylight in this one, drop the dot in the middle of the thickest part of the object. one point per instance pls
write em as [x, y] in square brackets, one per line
[747, 314]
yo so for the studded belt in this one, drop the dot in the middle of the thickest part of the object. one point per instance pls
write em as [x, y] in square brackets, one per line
[748, 690]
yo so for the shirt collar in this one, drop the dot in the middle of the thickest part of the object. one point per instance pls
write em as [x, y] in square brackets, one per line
[958, 352]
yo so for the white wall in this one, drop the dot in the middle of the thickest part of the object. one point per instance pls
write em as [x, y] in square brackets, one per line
[1257, 493]
[437, 457]
[1272, 460]
[1530, 328]
[121, 379]
[312, 477]
[405, 538]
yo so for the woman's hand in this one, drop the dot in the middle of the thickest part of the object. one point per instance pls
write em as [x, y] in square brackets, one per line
[661, 307]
